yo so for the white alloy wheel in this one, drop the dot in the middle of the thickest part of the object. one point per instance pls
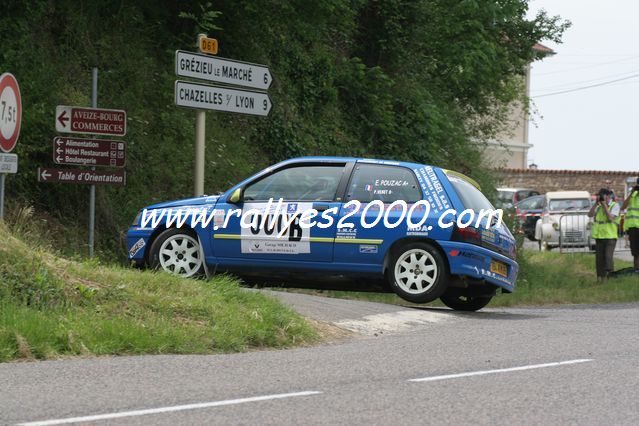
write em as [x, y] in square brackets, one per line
[180, 255]
[416, 271]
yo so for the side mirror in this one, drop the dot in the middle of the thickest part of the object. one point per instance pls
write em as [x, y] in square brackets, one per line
[236, 196]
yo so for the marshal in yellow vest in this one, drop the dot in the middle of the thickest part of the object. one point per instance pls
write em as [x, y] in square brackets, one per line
[604, 228]
[632, 212]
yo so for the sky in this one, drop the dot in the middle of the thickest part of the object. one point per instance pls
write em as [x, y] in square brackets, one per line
[594, 128]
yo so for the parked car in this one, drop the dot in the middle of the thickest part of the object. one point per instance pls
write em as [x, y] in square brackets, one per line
[565, 220]
[507, 197]
[528, 212]
[463, 266]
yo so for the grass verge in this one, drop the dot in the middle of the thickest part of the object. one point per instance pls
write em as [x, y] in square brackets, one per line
[52, 307]
[545, 278]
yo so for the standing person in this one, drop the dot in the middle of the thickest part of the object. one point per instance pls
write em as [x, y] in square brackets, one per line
[604, 231]
[631, 222]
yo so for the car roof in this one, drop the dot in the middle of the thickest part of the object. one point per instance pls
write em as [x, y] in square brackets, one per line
[532, 197]
[321, 159]
[567, 194]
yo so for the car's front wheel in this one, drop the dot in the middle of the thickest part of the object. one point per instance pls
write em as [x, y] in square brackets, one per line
[177, 251]
[418, 273]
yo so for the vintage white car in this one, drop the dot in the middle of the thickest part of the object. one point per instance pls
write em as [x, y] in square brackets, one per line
[564, 221]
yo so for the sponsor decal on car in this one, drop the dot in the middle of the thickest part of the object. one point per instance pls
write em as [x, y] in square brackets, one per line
[368, 249]
[262, 234]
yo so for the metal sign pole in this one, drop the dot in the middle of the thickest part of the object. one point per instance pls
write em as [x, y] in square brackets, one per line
[94, 104]
[200, 132]
[200, 137]
[2, 176]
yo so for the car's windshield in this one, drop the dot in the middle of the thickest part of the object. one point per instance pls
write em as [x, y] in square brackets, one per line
[569, 204]
[531, 203]
[471, 197]
[505, 196]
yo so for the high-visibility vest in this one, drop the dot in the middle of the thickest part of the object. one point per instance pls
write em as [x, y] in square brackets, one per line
[632, 212]
[604, 228]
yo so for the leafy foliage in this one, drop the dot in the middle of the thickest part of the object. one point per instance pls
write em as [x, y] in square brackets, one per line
[425, 80]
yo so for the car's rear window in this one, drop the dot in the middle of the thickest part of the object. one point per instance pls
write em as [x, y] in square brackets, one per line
[471, 197]
[569, 204]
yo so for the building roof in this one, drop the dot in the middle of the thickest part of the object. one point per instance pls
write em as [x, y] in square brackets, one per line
[538, 47]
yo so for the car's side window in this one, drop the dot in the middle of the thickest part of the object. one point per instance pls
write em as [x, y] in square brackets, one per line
[527, 204]
[306, 183]
[386, 183]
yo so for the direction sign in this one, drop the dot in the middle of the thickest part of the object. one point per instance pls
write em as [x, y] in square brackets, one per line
[208, 45]
[95, 121]
[221, 70]
[88, 177]
[10, 112]
[8, 163]
[201, 96]
[89, 152]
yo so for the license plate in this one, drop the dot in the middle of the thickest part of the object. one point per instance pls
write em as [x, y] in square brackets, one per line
[499, 268]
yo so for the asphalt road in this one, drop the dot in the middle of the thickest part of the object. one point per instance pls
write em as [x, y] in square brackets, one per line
[568, 365]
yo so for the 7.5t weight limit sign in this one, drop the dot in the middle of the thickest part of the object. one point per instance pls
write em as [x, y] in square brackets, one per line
[10, 112]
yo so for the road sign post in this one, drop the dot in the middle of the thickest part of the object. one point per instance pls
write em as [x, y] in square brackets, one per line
[82, 177]
[116, 117]
[222, 70]
[95, 121]
[89, 152]
[201, 96]
[207, 45]
[10, 123]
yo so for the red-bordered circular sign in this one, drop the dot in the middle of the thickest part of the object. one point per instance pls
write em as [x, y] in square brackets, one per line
[10, 112]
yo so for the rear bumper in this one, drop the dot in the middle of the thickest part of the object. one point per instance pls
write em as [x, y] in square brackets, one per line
[475, 262]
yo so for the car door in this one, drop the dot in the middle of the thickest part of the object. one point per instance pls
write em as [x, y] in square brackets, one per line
[371, 184]
[260, 226]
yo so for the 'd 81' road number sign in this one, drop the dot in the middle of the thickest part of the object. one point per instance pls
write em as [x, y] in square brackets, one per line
[10, 112]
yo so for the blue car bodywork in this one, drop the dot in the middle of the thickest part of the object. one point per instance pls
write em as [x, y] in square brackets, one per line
[483, 260]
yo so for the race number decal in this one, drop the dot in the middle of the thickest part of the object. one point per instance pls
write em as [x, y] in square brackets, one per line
[261, 236]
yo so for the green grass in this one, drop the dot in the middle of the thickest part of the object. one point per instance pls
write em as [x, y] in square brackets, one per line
[51, 307]
[544, 278]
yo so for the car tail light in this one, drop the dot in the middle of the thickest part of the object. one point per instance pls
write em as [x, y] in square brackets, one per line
[467, 235]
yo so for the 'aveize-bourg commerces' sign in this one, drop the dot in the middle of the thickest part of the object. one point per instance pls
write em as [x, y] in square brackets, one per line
[95, 121]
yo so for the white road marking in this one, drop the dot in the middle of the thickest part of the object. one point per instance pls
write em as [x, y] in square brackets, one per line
[501, 370]
[394, 322]
[166, 409]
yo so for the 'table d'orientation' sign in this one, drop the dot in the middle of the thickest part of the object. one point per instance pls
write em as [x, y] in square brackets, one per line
[87, 177]
[94, 121]
[221, 70]
[89, 152]
[201, 96]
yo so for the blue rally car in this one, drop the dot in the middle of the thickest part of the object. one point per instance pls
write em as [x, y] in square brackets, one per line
[421, 227]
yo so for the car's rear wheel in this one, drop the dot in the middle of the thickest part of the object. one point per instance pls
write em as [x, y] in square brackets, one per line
[418, 273]
[461, 302]
[177, 251]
